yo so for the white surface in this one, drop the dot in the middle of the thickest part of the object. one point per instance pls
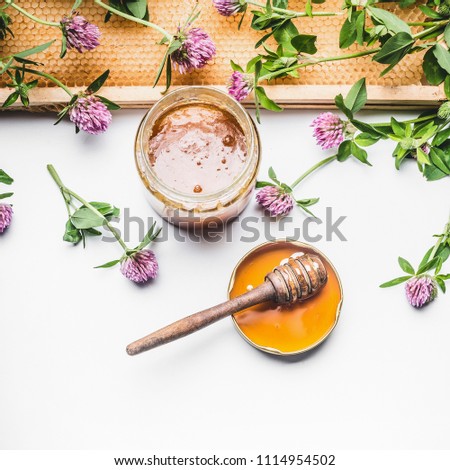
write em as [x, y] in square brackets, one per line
[380, 381]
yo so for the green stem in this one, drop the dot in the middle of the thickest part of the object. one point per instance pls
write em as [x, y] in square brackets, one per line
[443, 238]
[136, 20]
[353, 55]
[44, 75]
[32, 17]
[421, 23]
[409, 121]
[425, 32]
[294, 14]
[69, 192]
[312, 170]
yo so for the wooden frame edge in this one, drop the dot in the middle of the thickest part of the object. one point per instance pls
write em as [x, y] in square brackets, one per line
[289, 96]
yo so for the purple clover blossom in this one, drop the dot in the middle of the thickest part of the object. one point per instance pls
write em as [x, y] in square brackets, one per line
[329, 130]
[240, 85]
[275, 200]
[196, 50]
[140, 267]
[229, 7]
[80, 34]
[421, 290]
[90, 114]
[6, 213]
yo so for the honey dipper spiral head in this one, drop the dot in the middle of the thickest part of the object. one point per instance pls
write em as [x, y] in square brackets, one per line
[300, 277]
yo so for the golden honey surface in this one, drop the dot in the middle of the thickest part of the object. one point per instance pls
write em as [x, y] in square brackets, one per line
[285, 329]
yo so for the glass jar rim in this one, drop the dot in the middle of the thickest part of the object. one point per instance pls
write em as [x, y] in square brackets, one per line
[252, 138]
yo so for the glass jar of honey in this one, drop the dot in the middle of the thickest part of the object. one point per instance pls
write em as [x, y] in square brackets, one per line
[197, 152]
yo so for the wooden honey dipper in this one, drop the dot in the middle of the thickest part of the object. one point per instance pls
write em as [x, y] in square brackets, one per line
[302, 276]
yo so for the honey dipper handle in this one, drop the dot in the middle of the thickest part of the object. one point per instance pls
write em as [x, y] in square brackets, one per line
[199, 320]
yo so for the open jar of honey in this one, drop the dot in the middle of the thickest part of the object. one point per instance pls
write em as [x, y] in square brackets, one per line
[197, 152]
[285, 329]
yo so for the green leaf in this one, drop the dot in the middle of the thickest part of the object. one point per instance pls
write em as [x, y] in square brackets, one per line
[392, 22]
[236, 67]
[168, 72]
[398, 127]
[433, 173]
[273, 176]
[375, 132]
[441, 284]
[447, 86]
[437, 157]
[396, 281]
[11, 99]
[26, 61]
[305, 43]
[109, 264]
[308, 8]
[262, 184]
[405, 265]
[447, 35]
[360, 154]
[161, 68]
[258, 69]
[109, 104]
[5, 195]
[106, 209]
[430, 12]
[357, 96]
[394, 49]
[400, 154]
[347, 35]
[63, 51]
[444, 251]
[265, 101]
[174, 46]
[98, 82]
[425, 258]
[253, 64]
[84, 218]
[444, 277]
[344, 151]
[441, 137]
[151, 235]
[428, 265]
[72, 234]
[5, 178]
[422, 157]
[366, 140]
[434, 73]
[360, 24]
[308, 202]
[138, 8]
[34, 50]
[285, 33]
[339, 101]
[443, 57]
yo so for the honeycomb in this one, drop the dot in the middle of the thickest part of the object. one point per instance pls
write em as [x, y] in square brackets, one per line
[132, 54]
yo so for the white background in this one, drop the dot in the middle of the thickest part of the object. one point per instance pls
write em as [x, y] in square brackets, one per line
[381, 381]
